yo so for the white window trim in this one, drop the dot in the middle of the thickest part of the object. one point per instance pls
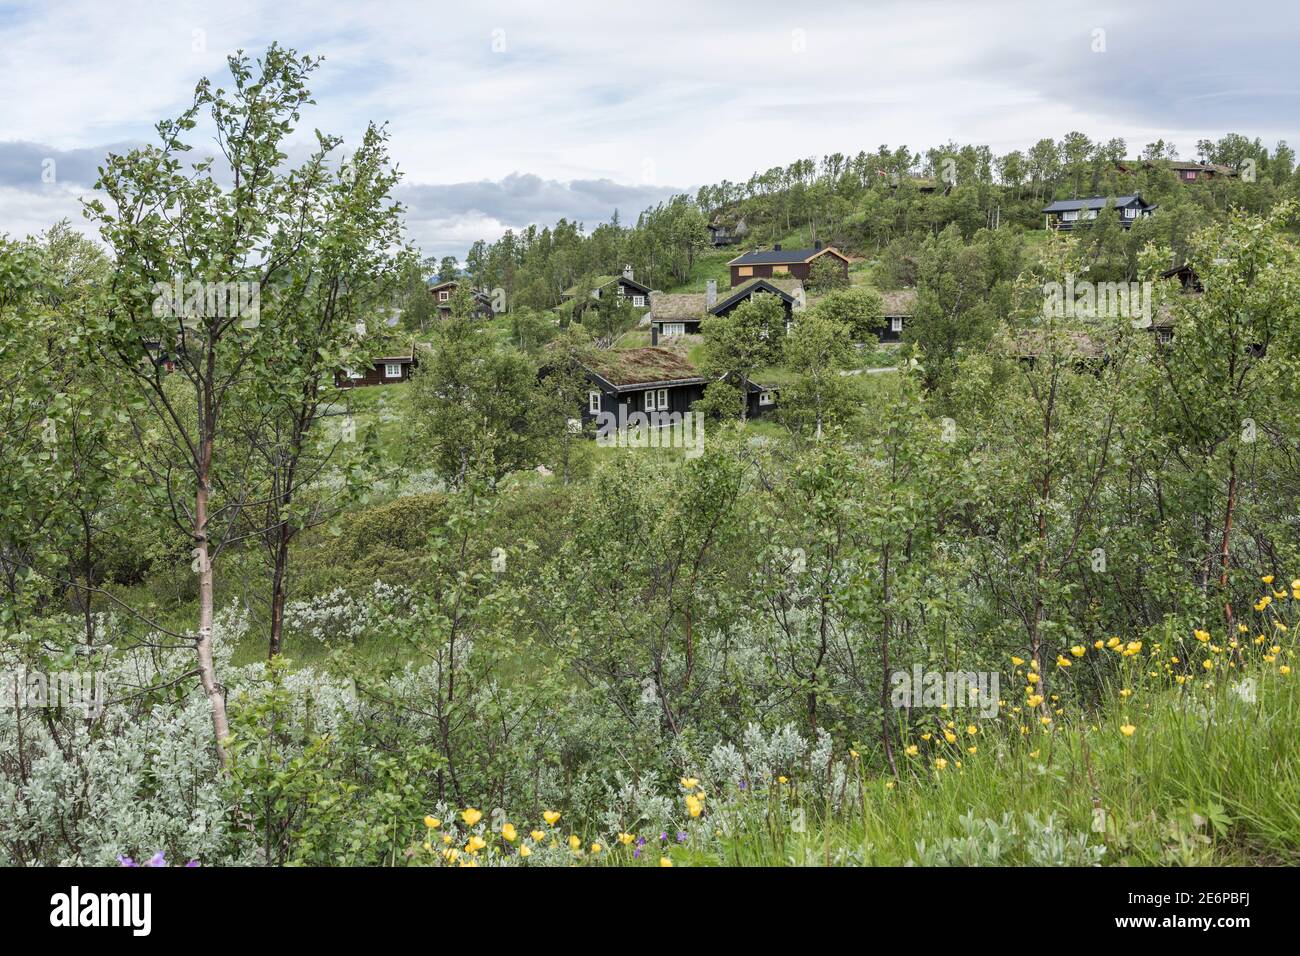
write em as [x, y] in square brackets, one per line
[674, 328]
[638, 301]
[444, 295]
[663, 399]
[593, 402]
[648, 401]
[896, 323]
[765, 398]
[1069, 215]
[1130, 213]
[392, 370]
[352, 374]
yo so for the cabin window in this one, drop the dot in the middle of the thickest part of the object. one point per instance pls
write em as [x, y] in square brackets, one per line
[896, 323]
[444, 295]
[1070, 215]
[674, 328]
[392, 370]
[593, 402]
[1130, 213]
[352, 374]
[744, 270]
[638, 301]
[766, 398]
[1189, 174]
[780, 270]
[663, 399]
[1092, 214]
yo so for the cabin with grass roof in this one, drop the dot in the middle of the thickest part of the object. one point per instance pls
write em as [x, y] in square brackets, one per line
[778, 263]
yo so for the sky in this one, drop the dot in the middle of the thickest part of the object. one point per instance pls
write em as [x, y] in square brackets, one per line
[503, 114]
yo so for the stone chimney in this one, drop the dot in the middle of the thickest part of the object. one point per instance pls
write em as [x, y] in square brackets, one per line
[777, 247]
[711, 294]
[627, 272]
[817, 244]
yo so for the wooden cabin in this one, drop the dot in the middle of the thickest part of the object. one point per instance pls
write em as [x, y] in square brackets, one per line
[781, 263]
[681, 313]
[443, 291]
[385, 370]
[725, 233]
[1185, 170]
[1064, 214]
[897, 309]
[625, 286]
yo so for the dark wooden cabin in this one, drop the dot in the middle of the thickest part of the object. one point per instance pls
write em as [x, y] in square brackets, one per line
[1064, 214]
[782, 263]
[681, 313]
[385, 370]
[897, 309]
[625, 286]
[443, 291]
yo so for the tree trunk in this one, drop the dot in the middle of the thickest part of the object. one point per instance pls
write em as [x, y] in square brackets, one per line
[1224, 548]
[278, 593]
[203, 647]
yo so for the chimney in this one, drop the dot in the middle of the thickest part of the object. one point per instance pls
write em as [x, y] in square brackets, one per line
[817, 244]
[627, 272]
[777, 247]
[711, 295]
[654, 334]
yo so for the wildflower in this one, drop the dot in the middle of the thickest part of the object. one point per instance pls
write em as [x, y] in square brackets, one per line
[446, 838]
[1098, 644]
[1127, 730]
[1062, 661]
[1284, 669]
[972, 729]
[1032, 678]
[1201, 636]
[694, 806]
[911, 750]
[782, 780]
[1034, 701]
[940, 764]
[1133, 648]
[538, 835]
[596, 848]
[625, 838]
[471, 816]
[853, 754]
[1078, 650]
[889, 785]
[574, 843]
[432, 823]
[664, 861]
[1279, 625]
[690, 783]
[949, 736]
[926, 736]
[1267, 579]
[1113, 643]
[475, 844]
[551, 817]
[427, 845]
[971, 749]
[1181, 679]
[1016, 660]
[1126, 692]
[1263, 602]
[1045, 721]
[525, 850]
[1208, 664]
[1034, 753]
[509, 832]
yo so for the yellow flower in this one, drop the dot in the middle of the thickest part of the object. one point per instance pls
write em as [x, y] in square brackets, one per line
[432, 823]
[626, 838]
[475, 843]
[1034, 753]
[1126, 692]
[1181, 679]
[1263, 602]
[1242, 629]
[471, 816]
[1078, 650]
[1133, 648]
[1045, 721]
[664, 861]
[428, 845]
[853, 754]
[940, 764]
[889, 784]
[446, 838]
[783, 780]
[525, 850]
[1016, 660]
[1280, 626]
[926, 736]
[551, 817]
[949, 736]
[1267, 579]
[1032, 678]
[690, 783]
[1033, 665]
[1284, 670]
[1034, 701]
[574, 843]
[1098, 644]
[1113, 642]
[911, 750]
[971, 749]
[1208, 664]
[972, 729]
[596, 848]
[509, 832]
[538, 835]
[694, 806]
[1127, 730]
[1201, 636]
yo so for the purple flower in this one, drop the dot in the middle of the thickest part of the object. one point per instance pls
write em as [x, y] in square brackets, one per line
[744, 785]
[636, 854]
[192, 863]
[126, 860]
[681, 836]
[663, 836]
[157, 859]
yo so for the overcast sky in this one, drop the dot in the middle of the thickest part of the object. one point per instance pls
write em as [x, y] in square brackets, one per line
[503, 113]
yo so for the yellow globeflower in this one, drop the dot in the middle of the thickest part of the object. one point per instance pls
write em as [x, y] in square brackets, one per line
[972, 729]
[1284, 669]
[596, 848]
[664, 861]
[626, 838]
[1267, 579]
[1127, 730]
[971, 749]
[1114, 642]
[471, 816]
[1078, 650]
[690, 783]
[509, 832]
[1098, 644]
[574, 843]
[926, 736]
[1062, 661]
[525, 850]
[1034, 701]
[782, 780]
[551, 817]
[432, 823]
[1208, 664]
[1016, 660]
[949, 736]
[911, 750]
[1126, 692]
[1201, 636]
[940, 764]
[1032, 678]
[475, 843]
[538, 835]
[694, 806]
[1045, 721]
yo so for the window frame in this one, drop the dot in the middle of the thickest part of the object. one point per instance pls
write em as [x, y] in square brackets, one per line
[593, 401]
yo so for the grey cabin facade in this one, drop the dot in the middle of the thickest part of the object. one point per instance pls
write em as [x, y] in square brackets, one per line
[1064, 214]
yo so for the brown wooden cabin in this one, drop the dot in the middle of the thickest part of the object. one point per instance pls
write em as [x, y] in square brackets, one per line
[782, 263]
[897, 309]
[1065, 214]
[385, 370]
[625, 286]
[1185, 170]
[443, 291]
